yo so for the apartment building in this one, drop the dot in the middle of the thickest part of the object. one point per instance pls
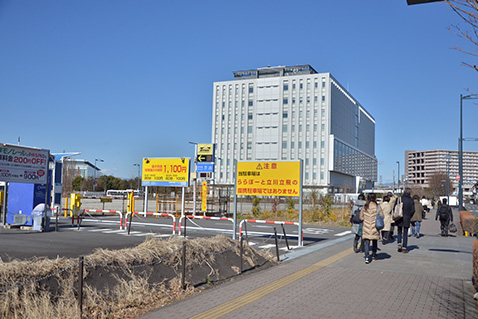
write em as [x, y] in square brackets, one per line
[420, 166]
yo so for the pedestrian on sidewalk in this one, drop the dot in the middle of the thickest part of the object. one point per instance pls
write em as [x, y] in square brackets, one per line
[403, 224]
[445, 214]
[387, 218]
[357, 227]
[393, 199]
[369, 231]
[417, 217]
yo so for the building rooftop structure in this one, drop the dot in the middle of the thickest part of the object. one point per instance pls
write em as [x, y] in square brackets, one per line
[274, 71]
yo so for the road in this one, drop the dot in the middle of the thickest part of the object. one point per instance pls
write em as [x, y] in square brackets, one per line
[99, 231]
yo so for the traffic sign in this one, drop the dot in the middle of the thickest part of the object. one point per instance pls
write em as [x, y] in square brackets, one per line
[205, 167]
[205, 158]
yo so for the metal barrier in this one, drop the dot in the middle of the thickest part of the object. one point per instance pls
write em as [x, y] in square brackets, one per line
[108, 211]
[300, 237]
[152, 214]
[201, 217]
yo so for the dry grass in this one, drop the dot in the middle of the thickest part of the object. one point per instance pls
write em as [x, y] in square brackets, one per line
[114, 289]
[336, 216]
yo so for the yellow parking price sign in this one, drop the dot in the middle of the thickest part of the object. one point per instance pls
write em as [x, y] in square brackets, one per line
[165, 172]
[268, 178]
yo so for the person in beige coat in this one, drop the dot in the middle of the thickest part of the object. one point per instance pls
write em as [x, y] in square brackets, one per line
[369, 232]
[393, 199]
[386, 209]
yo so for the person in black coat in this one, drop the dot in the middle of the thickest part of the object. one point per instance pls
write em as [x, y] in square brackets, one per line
[445, 214]
[403, 224]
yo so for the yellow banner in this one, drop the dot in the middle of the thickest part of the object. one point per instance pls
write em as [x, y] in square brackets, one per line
[165, 172]
[204, 197]
[268, 178]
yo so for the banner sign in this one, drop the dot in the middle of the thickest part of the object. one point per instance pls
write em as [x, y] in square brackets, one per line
[268, 178]
[165, 172]
[204, 197]
[23, 164]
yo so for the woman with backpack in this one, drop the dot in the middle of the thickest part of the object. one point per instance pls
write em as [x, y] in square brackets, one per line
[369, 232]
[357, 222]
[445, 214]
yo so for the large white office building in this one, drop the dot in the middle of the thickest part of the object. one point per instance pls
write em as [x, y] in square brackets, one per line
[291, 113]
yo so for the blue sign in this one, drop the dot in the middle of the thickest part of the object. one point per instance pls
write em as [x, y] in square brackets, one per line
[205, 167]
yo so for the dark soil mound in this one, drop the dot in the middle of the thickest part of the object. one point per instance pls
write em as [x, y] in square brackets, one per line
[122, 283]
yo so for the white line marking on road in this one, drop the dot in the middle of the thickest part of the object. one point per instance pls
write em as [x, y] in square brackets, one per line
[267, 246]
[113, 231]
[343, 233]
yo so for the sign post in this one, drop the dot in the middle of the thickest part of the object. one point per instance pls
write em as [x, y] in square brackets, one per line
[20, 164]
[166, 172]
[269, 178]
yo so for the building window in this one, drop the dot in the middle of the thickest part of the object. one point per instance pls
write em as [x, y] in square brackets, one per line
[250, 103]
[284, 115]
[285, 101]
[286, 87]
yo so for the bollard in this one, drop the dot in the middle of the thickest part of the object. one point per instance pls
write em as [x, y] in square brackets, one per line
[80, 219]
[80, 284]
[245, 230]
[129, 225]
[183, 277]
[241, 250]
[277, 244]
[185, 220]
[285, 236]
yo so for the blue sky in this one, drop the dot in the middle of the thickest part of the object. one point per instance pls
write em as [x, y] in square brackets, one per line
[122, 80]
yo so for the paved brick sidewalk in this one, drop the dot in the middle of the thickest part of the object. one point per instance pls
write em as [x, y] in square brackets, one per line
[432, 281]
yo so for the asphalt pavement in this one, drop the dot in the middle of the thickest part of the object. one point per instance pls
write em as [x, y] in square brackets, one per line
[329, 280]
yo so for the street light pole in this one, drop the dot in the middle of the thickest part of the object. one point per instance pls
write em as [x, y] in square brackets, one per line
[195, 177]
[398, 177]
[447, 157]
[94, 179]
[139, 175]
[460, 149]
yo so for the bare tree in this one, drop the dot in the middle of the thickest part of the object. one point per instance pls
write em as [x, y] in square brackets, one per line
[467, 10]
[69, 175]
[437, 184]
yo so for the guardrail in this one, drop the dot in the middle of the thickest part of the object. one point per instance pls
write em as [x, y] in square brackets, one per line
[201, 217]
[152, 214]
[107, 211]
[300, 237]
